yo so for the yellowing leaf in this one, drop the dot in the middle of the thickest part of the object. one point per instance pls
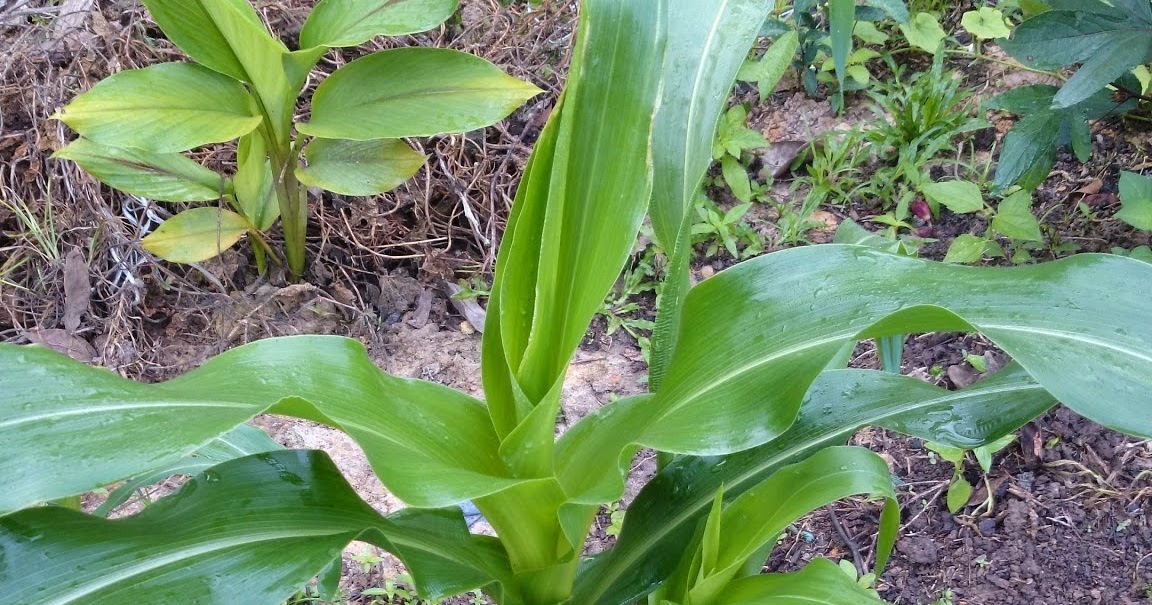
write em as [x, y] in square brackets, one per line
[165, 177]
[358, 167]
[410, 92]
[195, 235]
[985, 23]
[164, 108]
[924, 32]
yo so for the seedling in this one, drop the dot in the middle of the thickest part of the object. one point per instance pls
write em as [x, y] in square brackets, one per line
[959, 490]
[135, 125]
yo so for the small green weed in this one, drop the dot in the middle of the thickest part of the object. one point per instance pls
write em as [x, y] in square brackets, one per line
[725, 229]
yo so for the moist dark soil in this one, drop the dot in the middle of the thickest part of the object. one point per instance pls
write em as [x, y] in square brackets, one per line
[1069, 521]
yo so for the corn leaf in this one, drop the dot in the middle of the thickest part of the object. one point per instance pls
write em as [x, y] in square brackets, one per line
[249, 531]
[410, 92]
[164, 177]
[819, 583]
[660, 522]
[352, 22]
[164, 108]
[104, 428]
[791, 311]
[358, 167]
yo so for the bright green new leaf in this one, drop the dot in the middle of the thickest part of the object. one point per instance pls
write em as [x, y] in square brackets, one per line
[819, 583]
[164, 108]
[869, 33]
[196, 234]
[358, 167]
[1107, 40]
[1136, 200]
[737, 178]
[1014, 218]
[756, 517]
[966, 248]
[924, 32]
[103, 427]
[661, 520]
[254, 182]
[961, 197]
[959, 491]
[767, 71]
[164, 177]
[409, 92]
[985, 23]
[222, 35]
[351, 22]
[267, 523]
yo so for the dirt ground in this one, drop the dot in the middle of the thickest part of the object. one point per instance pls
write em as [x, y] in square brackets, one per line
[1070, 521]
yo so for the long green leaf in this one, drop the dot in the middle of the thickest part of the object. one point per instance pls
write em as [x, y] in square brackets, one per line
[707, 43]
[819, 583]
[164, 177]
[757, 516]
[789, 312]
[68, 428]
[352, 22]
[241, 441]
[412, 92]
[249, 532]
[660, 521]
[164, 108]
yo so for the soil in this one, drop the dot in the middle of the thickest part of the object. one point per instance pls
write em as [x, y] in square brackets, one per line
[1070, 517]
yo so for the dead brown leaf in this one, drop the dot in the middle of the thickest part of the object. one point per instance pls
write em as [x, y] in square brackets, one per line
[63, 341]
[77, 289]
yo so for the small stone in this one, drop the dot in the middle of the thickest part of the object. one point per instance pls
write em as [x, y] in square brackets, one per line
[987, 526]
[921, 550]
[466, 327]
[707, 271]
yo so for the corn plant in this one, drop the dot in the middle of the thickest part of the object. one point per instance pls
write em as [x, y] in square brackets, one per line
[244, 84]
[746, 406]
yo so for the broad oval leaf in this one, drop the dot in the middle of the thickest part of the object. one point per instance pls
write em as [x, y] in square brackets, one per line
[411, 92]
[250, 531]
[961, 197]
[351, 22]
[164, 177]
[164, 108]
[1077, 325]
[67, 428]
[196, 234]
[358, 167]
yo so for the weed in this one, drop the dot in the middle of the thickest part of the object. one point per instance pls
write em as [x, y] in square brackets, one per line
[719, 228]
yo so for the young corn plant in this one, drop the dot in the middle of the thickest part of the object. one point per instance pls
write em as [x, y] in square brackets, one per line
[746, 406]
[135, 125]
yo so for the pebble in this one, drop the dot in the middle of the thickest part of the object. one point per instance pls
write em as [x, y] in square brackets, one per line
[466, 327]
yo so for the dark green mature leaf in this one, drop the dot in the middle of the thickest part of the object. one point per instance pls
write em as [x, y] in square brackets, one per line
[249, 532]
[358, 167]
[819, 583]
[84, 427]
[164, 177]
[241, 441]
[791, 311]
[411, 92]
[352, 22]
[196, 234]
[661, 520]
[164, 108]
[1108, 40]
[1030, 148]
